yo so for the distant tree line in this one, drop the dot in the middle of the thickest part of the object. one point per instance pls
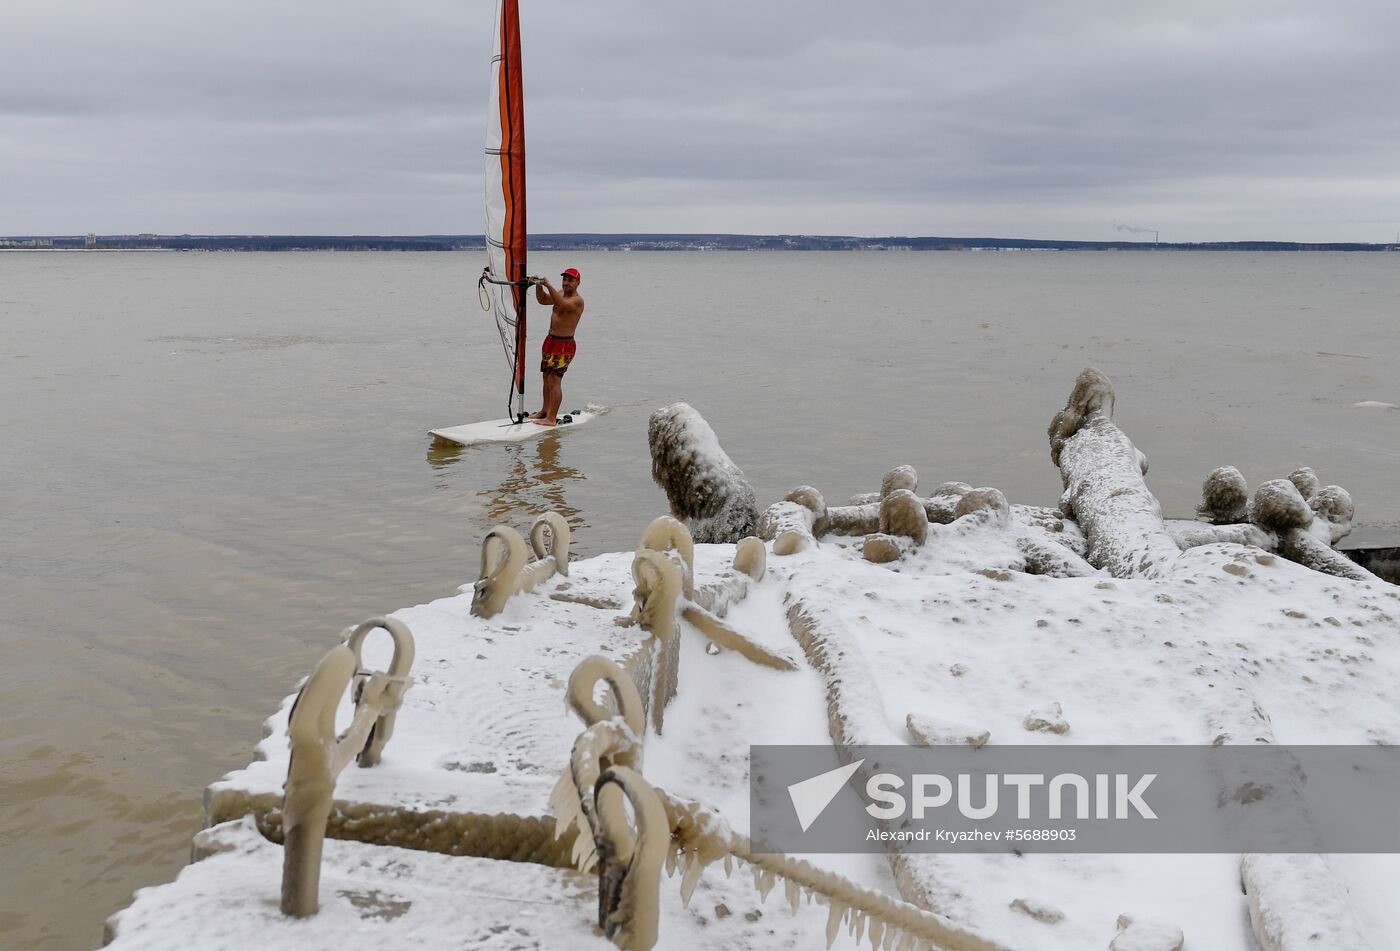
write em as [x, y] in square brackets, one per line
[646, 242]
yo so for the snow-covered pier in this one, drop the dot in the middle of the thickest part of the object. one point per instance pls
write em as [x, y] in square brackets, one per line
[560, 758]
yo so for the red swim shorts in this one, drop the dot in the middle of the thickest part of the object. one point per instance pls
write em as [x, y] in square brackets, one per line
[556, 355]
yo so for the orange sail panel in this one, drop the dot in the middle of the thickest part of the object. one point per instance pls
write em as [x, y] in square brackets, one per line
[506, 238]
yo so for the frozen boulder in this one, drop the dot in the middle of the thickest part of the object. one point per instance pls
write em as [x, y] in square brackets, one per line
[704, 487]
[1142, 934]
[931, 731]
[1049, 720]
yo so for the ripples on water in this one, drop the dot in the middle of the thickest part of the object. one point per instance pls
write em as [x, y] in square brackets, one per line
[214, 462]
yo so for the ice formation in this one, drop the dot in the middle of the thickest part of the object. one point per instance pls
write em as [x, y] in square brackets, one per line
[318, 756]
[931, 731]
[1225, 497]
[704, 487]
[1137, 934]
[1104, 492]
[665, 595]
[988, 622]
[505, 570]
[1045, 541]
[793, 524]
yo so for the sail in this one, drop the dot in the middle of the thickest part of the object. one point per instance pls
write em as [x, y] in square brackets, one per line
[505, 191]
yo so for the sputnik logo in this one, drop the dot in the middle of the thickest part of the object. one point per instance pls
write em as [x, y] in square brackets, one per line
[811, 796]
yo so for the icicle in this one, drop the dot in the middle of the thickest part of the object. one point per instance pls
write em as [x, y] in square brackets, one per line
[671, 862]
[794, 894]
[693, 868]
[563, 798]
[766, 882]
[859, 922]
[833, 923]
[907, 942]
[728, 864]
[877, 931]
[891, 936]
[585, 851]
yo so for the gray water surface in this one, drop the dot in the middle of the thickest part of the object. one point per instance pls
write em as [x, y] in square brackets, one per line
[211, 463]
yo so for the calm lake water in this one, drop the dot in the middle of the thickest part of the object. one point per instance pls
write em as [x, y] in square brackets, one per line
[214, 462]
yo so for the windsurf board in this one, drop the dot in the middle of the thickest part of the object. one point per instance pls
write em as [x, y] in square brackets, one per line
[508, 430]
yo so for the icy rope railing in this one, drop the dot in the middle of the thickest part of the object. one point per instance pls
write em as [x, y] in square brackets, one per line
[603, 769]
[601, 780]
[663, 573]
[700, 839]
[318, 756]
[505, 569]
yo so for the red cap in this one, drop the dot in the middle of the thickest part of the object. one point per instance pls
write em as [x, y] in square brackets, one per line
[571, 272]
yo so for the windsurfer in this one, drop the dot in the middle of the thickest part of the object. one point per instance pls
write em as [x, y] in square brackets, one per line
[559, 347]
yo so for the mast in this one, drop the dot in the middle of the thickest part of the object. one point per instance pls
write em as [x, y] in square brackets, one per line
[506, 235]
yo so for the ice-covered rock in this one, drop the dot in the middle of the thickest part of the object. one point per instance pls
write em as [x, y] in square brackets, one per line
[788, 526]
[900, 477]
[991, 502]
[1049, 720]
[1039, 910]
[883, 549]
[1297, 904]
[1278, 506]
[1305, 535]
[901, 513]
[1104, 489]
[1143, 934]
[1305, 480]
[932, 731]
[1224, 497]
[704, 487]
[1333, 504]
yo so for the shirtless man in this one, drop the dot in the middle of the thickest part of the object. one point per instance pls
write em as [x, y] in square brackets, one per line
[559, 347]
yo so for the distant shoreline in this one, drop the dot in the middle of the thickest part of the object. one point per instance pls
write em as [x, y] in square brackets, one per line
[636, 242]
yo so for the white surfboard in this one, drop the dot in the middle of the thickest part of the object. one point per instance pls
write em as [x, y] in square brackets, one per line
[507, 430]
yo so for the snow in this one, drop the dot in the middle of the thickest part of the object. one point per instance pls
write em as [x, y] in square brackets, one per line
[385, 897]
[379, 896]
[1219, 640]
[1133, 661]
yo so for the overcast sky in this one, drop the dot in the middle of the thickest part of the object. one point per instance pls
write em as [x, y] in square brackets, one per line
[1204, 119]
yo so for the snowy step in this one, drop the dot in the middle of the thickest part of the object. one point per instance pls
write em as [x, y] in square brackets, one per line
[384, 897]
[371, 896]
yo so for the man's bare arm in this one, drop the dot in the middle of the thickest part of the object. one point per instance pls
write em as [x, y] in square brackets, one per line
[544, 291]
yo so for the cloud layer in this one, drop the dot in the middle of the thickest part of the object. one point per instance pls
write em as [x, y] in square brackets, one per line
[1203, 120]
